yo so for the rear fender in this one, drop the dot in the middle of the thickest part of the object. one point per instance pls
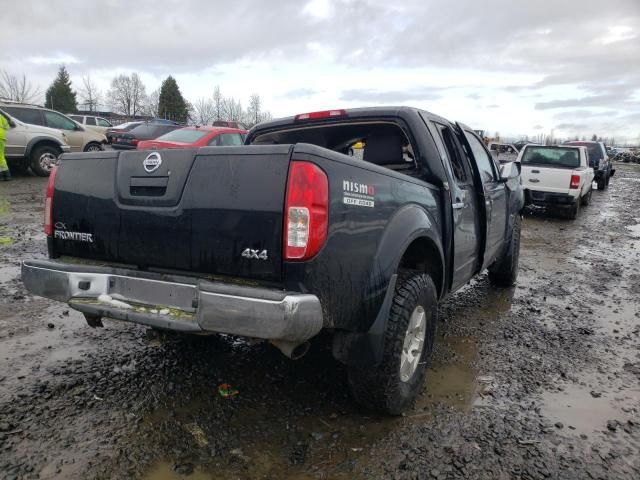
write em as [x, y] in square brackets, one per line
[409, 224]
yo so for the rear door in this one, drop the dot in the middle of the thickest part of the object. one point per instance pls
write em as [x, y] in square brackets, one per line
[495, 195]
[467, 237]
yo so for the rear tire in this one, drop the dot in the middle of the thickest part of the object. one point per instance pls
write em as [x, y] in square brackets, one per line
[586, 199]
[392, 386]
[504, 271]
[574, 210]
[93, 147]
[43, 158]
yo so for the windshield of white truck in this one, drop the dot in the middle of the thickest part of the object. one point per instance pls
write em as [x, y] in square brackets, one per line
[552, 157]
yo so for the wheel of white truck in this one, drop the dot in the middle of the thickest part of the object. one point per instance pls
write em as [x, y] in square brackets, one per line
[586, 199]
[392, 386]
[504, 271]
[574, 210]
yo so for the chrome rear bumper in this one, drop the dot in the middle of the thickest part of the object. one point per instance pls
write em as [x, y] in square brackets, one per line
[186, 304]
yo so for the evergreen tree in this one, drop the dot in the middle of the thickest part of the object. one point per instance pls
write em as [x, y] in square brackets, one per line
[171, 104]
[59, 95]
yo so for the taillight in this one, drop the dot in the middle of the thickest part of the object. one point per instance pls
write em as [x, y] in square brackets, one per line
[321, 114]
[48, 202]
[575, 181]
[306, 211]
[134, 141]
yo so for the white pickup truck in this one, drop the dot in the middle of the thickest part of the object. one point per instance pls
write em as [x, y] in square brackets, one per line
[556, 175]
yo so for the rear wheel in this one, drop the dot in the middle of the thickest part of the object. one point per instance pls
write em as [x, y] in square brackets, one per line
[43, 158]
[392, 386]
[603, 182]
[574, 209]
[504, 271]
[586, 199]
[93, 147]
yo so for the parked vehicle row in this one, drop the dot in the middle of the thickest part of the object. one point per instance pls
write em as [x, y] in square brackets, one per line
[79, 138]
[287, 236]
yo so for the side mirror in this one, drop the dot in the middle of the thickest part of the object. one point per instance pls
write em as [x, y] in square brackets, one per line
[510, 170]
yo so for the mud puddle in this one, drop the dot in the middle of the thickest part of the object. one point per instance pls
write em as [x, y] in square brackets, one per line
[332, 440]
[586, 409]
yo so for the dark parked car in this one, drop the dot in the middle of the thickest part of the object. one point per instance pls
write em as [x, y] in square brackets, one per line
[599, 161]
[122, 128]
[288, 235]
[146, 131]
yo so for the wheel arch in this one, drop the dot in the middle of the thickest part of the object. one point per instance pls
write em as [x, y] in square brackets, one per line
[40, 141]
[410, 242]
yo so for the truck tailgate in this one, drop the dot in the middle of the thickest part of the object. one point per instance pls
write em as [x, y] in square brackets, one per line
[197, 211]
[545, 179]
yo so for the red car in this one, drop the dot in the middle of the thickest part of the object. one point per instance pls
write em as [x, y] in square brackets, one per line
[193, 137]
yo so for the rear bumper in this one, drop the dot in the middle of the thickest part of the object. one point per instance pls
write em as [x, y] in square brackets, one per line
[170, 302]
[536, 197]
[122, 146]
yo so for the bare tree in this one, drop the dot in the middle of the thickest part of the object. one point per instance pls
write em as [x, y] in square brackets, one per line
[90, 94]
[233, 110]
[253, 116]
[152, 104]
[127, 95]
[218, 104]
[203, 111]
[17, 89]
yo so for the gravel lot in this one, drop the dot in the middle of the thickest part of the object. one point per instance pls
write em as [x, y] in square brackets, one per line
[538, 381]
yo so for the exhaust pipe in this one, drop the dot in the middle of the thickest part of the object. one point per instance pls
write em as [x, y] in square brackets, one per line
[293, 350]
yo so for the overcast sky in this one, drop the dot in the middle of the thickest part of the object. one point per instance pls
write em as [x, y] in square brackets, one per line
[513, 66]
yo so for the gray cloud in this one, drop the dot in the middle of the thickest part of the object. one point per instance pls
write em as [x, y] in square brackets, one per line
[573, 126]
[561, 45]
[391, 96]
[300, 93]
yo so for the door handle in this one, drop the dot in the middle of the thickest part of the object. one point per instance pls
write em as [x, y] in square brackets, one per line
[534, 180]
[458, 205]
[535, 171]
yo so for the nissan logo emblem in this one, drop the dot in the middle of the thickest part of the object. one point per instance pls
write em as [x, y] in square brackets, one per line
[152, 162]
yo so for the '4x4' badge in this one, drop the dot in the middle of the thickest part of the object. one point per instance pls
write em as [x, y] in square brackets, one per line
[255, 254]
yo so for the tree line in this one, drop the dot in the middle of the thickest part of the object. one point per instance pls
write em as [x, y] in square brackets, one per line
[127, 96]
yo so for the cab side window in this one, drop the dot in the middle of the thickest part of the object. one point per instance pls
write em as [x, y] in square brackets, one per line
[90, 121]
[485, 164]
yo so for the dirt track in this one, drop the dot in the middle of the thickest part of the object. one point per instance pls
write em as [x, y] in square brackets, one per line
[538, 381]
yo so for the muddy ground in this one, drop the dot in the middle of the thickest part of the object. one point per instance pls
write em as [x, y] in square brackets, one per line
[538, 381]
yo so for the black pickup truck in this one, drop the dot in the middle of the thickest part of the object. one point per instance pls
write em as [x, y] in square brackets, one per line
[288, 235]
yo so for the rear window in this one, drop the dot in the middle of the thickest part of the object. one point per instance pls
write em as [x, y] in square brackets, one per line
[32, 116]
[594, 149]
[183, 135]
[385, 143]
[552, 156]
[143, 130]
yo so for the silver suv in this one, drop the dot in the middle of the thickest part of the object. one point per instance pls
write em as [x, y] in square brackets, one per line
[33, 146]
[79, 138]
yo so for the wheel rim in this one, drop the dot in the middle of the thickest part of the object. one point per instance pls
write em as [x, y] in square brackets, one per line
[93, 148]
[413, 344]
[47, 160]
